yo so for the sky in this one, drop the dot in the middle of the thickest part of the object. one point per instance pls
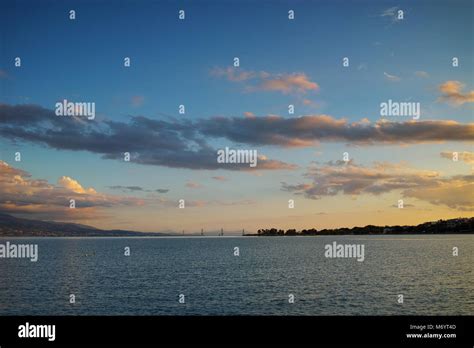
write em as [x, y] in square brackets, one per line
[282, 62]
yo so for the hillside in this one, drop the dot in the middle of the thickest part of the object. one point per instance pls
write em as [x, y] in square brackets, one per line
[11, 226]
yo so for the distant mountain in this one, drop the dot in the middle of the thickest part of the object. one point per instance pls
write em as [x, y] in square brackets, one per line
[11, 226]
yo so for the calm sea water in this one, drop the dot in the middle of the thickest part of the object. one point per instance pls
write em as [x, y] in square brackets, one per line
[258, 282]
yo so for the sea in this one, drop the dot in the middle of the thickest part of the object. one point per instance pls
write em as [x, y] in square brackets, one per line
[399, 275]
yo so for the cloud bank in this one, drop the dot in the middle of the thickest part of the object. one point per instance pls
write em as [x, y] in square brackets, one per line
[20, 194]
[185, 144]
[335, 178]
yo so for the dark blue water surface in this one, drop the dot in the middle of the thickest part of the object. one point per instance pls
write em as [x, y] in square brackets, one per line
[258, 282]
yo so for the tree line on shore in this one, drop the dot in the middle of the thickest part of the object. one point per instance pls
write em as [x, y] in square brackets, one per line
[452, 226]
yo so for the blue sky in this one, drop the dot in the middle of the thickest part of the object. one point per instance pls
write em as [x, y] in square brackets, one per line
[172, 63]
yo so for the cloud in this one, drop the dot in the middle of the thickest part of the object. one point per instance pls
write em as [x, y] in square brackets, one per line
[451, 93]
[193, 185]
[232, 203]
[233, 74]
[305, 131]
[392, 78]
[422, 74]
[129, 188]
[287, 83]
[391, 13]
[338, 177]
[456, 192]
[220, 203]
[73, 185]
[220, 178]
[465, 156]
[177, 143]
[136, 189]
[404, 206]
[268, 164]
[196, 204]
[294, 83]
[249, 114]
[20, 194]
[174, 144]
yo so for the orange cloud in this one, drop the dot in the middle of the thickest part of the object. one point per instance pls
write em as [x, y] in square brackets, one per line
[21, 194]
[220, 178]
[74, 185]
[465, 156]
[268, 164]
[339, 177]
[249, 114]
[289, 83]
[263, 81]
[456, 192]
[451, 91]
[193, 185]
